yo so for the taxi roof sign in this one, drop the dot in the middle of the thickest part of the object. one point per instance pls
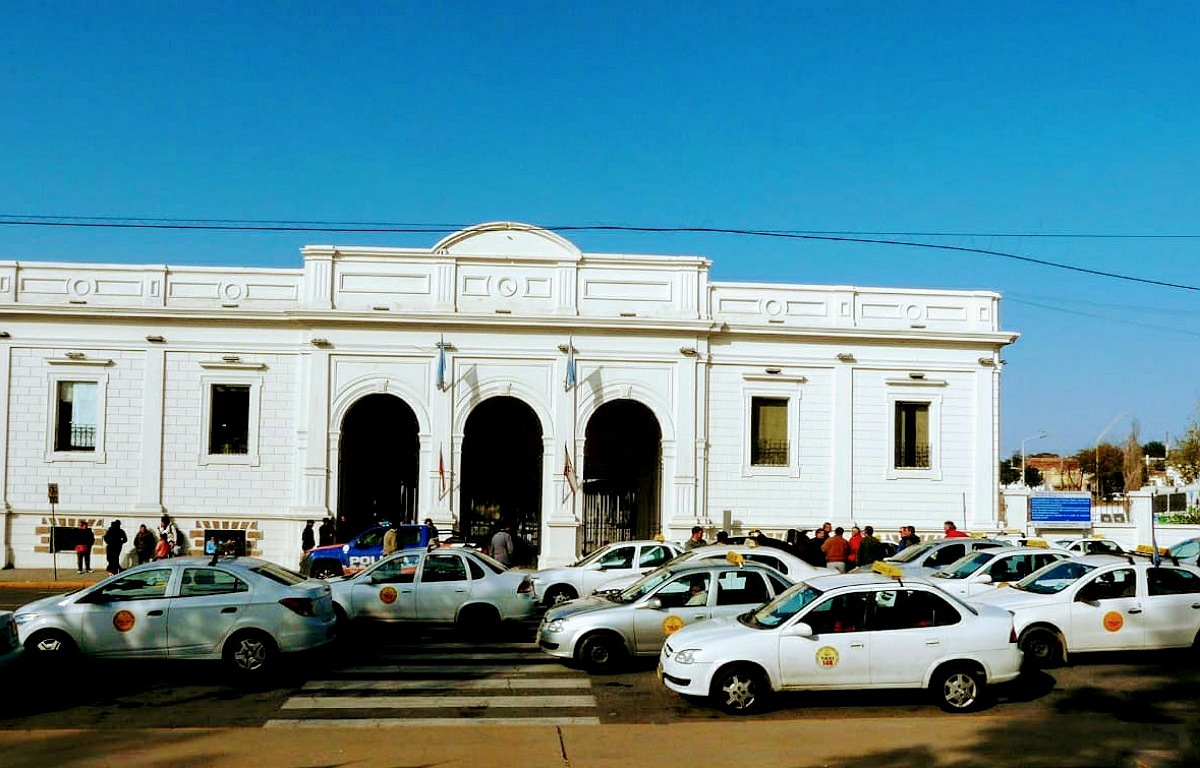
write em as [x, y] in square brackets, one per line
[735, 558]
[1040, 543]
[1148, 549]
[886, 569]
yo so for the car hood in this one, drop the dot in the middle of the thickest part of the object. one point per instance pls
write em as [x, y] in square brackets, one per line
[581, 605]
[704, 633]
[37, 606]
[328, 549]
[1013, 599]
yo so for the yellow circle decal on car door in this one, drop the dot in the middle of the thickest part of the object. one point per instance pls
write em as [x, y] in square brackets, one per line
[387, 595]
[123, 621]
[1113, 621]
[671, 625]
[827, 657]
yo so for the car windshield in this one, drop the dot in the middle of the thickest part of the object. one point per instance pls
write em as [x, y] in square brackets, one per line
[586, 559]
[912, 553]
[1184, 549]
[965, 566]
[278, 574]
[782, 608]
[643, 586]
[1055, 578]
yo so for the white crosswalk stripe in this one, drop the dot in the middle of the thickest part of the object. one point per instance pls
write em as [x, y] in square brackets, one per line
[443, 684]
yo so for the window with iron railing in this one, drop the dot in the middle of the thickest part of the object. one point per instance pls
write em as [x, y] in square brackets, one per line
[769, 432]
[913, 450]
[75, 423]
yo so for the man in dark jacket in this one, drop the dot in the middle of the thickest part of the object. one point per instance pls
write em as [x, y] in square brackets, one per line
[870, 548]
[114, 539]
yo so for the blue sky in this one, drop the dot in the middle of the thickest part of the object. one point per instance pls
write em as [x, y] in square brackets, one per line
[982, 120]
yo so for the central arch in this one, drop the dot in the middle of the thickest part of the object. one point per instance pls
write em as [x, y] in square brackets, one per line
[622, 458]
[378, 460]
[502, 475]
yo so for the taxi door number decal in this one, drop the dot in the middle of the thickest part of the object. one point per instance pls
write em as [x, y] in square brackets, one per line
[671, 625]
[827, 657]
[123, 621]
[387, 595]
[1113, 621]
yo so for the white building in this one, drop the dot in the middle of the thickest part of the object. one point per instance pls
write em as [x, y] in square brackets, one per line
[502, 375]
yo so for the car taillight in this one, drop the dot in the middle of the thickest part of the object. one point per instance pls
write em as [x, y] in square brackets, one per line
[299, 605]
[526, 587]
[1012, 634]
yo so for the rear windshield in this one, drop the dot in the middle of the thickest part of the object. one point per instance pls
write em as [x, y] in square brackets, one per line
[278, 574]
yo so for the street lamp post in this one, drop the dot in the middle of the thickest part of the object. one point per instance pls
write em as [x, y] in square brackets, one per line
[1041, 433]
[1100, 437]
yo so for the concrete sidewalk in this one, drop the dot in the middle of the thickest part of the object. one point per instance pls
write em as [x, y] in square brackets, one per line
[44, 578]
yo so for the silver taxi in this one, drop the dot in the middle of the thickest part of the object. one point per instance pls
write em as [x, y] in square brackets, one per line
[986, 569]
[602, 631]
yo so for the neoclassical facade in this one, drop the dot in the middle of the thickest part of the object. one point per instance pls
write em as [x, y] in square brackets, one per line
[499, 377]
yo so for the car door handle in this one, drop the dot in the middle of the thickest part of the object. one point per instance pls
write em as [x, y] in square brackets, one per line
[461, 590]
[1135, 610]
[698, 617]
[933, 642]
[155, 613]
[1196, 605]
[230, 609]
[858, 645]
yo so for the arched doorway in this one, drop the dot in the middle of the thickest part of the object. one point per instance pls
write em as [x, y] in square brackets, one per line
[621, 460]
[378, 458]
[502, 475]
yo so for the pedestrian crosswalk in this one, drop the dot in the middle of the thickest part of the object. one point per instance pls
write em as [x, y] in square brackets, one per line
[442, 683]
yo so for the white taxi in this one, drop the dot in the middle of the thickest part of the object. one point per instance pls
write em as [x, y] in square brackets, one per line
[860, 630]
[243, 610]
[779, 559]
[1102, 603]
[613, 561]
[984, 570]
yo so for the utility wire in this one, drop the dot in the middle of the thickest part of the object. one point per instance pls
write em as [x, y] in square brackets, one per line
[243, 226]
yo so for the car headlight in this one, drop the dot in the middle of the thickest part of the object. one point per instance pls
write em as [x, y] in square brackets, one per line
[555, 625]
[687, 656]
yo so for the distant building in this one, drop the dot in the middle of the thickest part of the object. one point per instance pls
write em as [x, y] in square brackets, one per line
[502, 376]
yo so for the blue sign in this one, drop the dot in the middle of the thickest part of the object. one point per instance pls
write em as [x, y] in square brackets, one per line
[1060, 508]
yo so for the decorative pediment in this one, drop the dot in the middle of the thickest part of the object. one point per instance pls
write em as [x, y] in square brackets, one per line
[509, 240]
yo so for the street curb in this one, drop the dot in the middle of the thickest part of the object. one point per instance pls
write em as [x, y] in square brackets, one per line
[43, 585]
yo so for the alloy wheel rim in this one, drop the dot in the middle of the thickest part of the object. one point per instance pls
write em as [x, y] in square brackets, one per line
[960, 690]
[739, 692]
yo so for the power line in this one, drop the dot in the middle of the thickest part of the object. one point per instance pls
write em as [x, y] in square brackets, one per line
[234, 225]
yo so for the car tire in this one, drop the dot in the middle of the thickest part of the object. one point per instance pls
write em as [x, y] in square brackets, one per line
[1042, 647]
[325, 571]
[341, 620]
[959, 689]
[558, 594]
[601, 653]
[478, 619]
[740, 689]
[250, 653]
[51, 644]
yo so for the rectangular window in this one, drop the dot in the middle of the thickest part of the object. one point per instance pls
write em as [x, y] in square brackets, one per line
[769, 432]
[75, 420]
[229, 420]
[912, 435]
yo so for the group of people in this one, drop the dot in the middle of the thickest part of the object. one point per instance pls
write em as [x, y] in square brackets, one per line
[147, 545]
[828, 547]
[326, 534]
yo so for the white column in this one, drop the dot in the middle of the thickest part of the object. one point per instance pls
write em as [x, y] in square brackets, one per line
[313, 431]
[841, 441]
[150, 464]
[6, 514]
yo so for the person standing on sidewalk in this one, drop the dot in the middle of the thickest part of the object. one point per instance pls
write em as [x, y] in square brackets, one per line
[114, 539]
[502, 546]
[83, 548]
[143, 544]
[836, 550]
[308, 538]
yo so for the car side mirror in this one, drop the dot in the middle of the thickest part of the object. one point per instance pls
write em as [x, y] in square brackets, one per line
[984, 579]
[800, 629]
[653, 604]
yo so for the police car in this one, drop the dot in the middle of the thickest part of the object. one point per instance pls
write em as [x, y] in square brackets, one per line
[1102, 603]
[848, 631]
[362, 551]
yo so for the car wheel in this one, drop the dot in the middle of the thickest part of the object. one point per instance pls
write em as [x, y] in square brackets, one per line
[478, 618]
[341, 620]
[325, 571]
[558, 594]
[959, 689]
[1042, 646]
[50, 644]
[740, 690]
[250, 653]
[602, 653]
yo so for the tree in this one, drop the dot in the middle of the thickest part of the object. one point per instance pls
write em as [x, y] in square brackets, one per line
[1186, 455]
[1155, 450]
[1133, 464]
[1110, 476]
[1010, 471]
[1033, 476]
